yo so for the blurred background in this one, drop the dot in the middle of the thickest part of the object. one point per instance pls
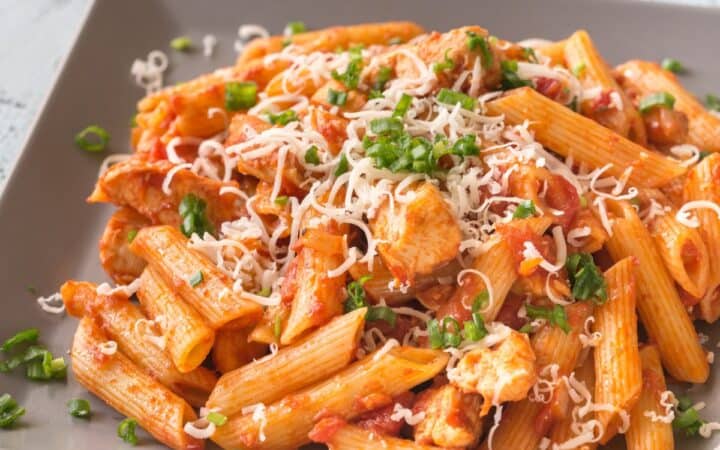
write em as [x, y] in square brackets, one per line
[36, 35]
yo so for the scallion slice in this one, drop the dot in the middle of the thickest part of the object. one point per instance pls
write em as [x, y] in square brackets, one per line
[92, 139]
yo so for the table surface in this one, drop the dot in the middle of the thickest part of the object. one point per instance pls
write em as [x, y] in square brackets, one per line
[40, 34]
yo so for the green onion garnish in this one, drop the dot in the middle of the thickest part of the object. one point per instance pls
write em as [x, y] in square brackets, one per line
[192, 210]
[510, 78]
[311, 155]
[658, 99]
[451, 97]
[356, 294]
[586, 279]
[386, 125]
[555, 315]
[196, 278]
[264, 292]
[446, 64]
[402, 106]
[277, 327]
[181, 44]
[10, 411]
[295, 27]
[672, 65]
[687, 418]
[524, 210]
[529, 54]
[126, 431]
[351, 77]
[131, 235]
[79, 408]
[381, 313]
[29, 336]
[579, 69]
[337, 98]
[343, 165]
[476, 42]
[283, 118]
[712, 102]
[281, 200]
[92, 139]
[383, 76]
[704, 154]
[216, 418]
[240, 95]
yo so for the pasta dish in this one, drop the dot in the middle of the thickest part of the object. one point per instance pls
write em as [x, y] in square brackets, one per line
[374, 236]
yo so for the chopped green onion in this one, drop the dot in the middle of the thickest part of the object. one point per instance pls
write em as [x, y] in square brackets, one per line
[712, 102]
[351, 77]
[555, 315]
[446, 64]
[79, 408]
[586, 279]
[510, 78]
[181, 44]
[476, 42]
[383, 76]
[337, 98]
[402, 106]
[704, 154]
[524, 210]
[126, 431]
[445, 333]
[277, 327]
[133, 121]
[281, 200]
[194, 218]
[264, 292]
[658, 99]
[451, 97]
[131, 235]
[216, 418]
[92, 139]
[375, 94]
[29, 336]
[240, 95]
[10, 411]
[583, 201]
[529, 54]
[381, 313]
[32, 290]
[527, 328]
[311, 155]
[579, 69]
[356, 294]
[295, 27]
[196, 278]
[466, 146]
[343, 165]
[672, 65]
[283, 118]
[386, 125]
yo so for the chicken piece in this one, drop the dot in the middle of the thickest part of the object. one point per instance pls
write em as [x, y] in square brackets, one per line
[331, 126]
[504, 372]
[666, 127]
[418, 235]
[452, 417]
[119, 262]
[138, 184]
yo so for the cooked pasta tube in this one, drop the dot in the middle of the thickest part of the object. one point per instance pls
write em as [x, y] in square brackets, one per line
[340, 435]
[321, 354]
[233, 350]
[661, 311]
[286, 424]
[564, 431]
[137, 338]
[196, 279]
[571, 134]
[112, 376]
[650, 425]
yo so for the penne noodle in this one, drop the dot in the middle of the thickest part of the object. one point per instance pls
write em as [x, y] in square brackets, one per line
[339, 435]
[555, 51]
[286, 424]
[661, 311]
[645, 433]
[321, 354]
[644, 78]
[232, 350]
[571, 134]
[563, 432]
[138, 339]
[188, 338]
[111, 377]
[617, 361]
[167, 252]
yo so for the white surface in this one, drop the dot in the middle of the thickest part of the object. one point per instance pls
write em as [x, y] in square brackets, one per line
[35, 36]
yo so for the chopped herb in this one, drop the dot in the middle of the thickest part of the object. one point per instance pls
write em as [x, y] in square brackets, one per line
[216, 418]
[687, 418]
[579, 69]
[133, 120]
[527, 328]
[524, 210]
[373, 94]
[383, 76]
[131, 235]
[446, 64]
[181, 44]
[240, 95]
[586, 279]
[126, 431]
[356, 294]
[277, 327]
[79, 408]
[402, 106]
[510, 78]
[283, 118]
[381, 313]
[712, 102]
[451, 97]
[583, 201]
[704, 154]
[32, 290]
[529, 54]
[466, 146]
[10, 411]
[311, 155]
[92, 139]
[45, 367]
[194, 218]
[445, 333]
[351, 77]
[281, 200]
[337, 98]
[555, 315]
[658, 99]
[476, 42]
[343, 165]
[386, 125]
[295, 27]
[196, 278]
[672, 65]
[29, 336]
[474, 329]
[264, 292]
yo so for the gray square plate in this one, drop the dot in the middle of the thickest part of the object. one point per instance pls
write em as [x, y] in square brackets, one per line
[48, 234]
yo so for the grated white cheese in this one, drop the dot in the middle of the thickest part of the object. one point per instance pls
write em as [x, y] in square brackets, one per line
[108, 347]
[209, 41]
[401, 413]
[683, 215]
[52, 304]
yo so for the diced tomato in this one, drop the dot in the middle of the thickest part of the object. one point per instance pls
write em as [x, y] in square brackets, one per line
[549, 87]
[563, 196]
[601, 102]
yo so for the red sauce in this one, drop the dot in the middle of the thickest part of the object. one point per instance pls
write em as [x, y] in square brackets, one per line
[563, 196]
[549, 87]
[379, 421]
[324, 430]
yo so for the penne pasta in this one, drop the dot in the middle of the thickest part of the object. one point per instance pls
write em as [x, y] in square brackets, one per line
[286, 423]
[213, 297]
[111, 377]
[659, 306]
[339, 435]
[564, 431]
[588, 142]
[617, 361]
[644, 432]
[321, 354]
[232, 350]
